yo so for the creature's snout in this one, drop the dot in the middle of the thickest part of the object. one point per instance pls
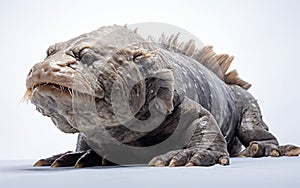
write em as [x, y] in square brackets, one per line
[55, 72]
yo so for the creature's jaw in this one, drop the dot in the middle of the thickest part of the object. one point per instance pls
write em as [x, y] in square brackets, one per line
[67, 85]
[54, 101]
[65, 90]
[64, 96]
[46, 86]
[70, 110]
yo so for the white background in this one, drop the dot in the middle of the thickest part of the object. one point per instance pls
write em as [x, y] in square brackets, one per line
[262, 35]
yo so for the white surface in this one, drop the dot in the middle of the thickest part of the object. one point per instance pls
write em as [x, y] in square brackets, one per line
[263, 36]
[264, 172]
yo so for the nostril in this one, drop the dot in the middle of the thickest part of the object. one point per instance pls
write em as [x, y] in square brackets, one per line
[72, 64]
[45, 70]
[55, 69]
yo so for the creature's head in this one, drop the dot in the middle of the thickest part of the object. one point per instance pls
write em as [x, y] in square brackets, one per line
[87, 78]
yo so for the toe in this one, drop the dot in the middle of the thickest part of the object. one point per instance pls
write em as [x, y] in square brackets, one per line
[106, 162]
[163, 160]
[175, 162]
[189, 164]
[57, 163]
[191, 157]
[48, 161]
[275, 153]
[223, 160]
[256, 150]
[181, 158]
[157, 162]
[43, 162]
[203, 158]
[289, 150]
[88, 159]
[67, 160]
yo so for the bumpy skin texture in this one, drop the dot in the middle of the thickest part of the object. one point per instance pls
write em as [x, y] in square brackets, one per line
[82, 80]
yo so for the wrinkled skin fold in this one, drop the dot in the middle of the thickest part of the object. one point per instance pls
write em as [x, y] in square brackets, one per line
[135, 101]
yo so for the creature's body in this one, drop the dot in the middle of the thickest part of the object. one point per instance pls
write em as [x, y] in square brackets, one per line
[122, 93]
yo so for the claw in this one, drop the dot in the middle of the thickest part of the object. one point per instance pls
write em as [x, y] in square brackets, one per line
[79, 165]
[56, 164]
[41, 162]
[254, 148]
[174, 163]
[224, 161]
[189, 164]
[105, 162]
[159, 163]
[48, 161]
[274, 153]
[156, 162]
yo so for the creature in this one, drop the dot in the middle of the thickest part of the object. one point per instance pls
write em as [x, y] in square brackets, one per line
[134, 100]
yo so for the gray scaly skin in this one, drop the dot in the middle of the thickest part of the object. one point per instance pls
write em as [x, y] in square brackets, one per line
[81, 80]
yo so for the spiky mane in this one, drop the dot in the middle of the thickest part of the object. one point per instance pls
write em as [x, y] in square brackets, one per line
[218, 64]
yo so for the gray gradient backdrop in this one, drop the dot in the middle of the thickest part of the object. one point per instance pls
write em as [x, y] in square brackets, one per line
[262, 35]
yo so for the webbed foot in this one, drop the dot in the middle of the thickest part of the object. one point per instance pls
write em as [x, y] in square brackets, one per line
[190, 157]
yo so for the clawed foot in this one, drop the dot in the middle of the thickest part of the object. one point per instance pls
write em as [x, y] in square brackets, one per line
[191, 157]
[264, 149]
[289, 150]
[77, 159]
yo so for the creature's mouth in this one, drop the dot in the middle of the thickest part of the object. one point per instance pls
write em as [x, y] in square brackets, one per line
[63, 89]
[53, 100]
[52, 85]
[60, 87]
[46, 86]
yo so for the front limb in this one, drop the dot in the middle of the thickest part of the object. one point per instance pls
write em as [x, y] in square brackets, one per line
[206, 147]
